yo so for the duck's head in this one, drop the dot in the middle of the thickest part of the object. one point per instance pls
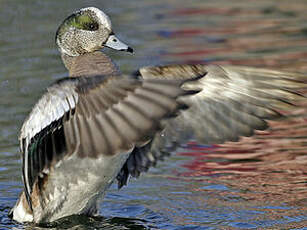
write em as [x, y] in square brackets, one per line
[87, 30]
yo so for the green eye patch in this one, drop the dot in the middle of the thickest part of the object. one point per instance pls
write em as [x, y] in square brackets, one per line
[82, 21]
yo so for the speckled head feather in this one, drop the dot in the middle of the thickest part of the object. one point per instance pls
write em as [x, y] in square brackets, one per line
[86, 30]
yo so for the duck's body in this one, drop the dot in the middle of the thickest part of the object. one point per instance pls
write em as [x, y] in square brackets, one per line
[79, 192]
[98, 125]
[75, 192]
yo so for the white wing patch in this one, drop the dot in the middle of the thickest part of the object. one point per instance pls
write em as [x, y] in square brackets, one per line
[59, 99]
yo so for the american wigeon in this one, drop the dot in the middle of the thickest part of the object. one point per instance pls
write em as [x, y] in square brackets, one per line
[98, 125]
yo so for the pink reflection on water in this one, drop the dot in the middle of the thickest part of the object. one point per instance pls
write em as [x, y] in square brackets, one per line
[271, 166]
[242, 35]
[284, 141]
[272, 163]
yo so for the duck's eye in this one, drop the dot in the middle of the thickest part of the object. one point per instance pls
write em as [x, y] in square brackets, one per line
[92, 26]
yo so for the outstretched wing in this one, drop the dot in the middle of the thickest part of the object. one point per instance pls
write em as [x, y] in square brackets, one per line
[233, 102]
[88, 117]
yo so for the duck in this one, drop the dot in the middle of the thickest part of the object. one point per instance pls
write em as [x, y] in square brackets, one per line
[97, 125]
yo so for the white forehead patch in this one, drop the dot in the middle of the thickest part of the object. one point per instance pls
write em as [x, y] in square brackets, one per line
[103, 18]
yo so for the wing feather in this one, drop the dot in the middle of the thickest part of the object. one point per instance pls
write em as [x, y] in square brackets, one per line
[232, 102]
[94, 116]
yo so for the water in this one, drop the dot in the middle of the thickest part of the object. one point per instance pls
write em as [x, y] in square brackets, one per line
[259, 182]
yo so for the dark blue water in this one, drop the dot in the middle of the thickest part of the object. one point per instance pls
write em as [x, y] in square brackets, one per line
[257, 183]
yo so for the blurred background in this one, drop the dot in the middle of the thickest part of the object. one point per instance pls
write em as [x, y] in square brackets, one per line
[259, 182]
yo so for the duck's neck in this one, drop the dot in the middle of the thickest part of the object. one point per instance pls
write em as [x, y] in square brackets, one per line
[89, 64]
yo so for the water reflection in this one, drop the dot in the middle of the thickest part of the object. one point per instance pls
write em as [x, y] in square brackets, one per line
[259, 182]
[265, 174]
[84, 222]
[243, 32]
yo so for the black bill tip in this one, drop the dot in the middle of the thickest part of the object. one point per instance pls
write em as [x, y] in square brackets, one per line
[130, 50]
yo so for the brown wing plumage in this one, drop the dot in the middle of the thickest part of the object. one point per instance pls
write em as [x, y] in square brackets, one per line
[233, 102]
[94, 116]
[119, 113]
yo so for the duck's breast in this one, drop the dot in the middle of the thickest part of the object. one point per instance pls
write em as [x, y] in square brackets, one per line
[75, 185]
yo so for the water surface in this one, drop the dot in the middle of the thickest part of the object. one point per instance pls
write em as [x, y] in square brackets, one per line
[259, 182]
